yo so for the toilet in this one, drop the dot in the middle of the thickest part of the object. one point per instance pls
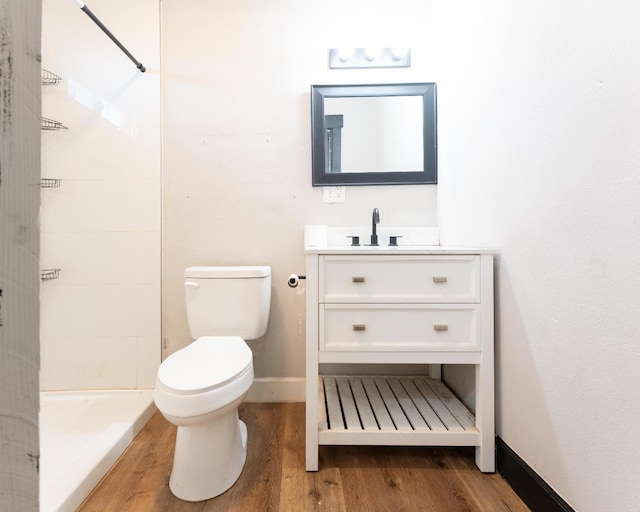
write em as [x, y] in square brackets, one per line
[200, 387]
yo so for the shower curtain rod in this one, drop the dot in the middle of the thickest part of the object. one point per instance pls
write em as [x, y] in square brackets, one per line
[88, 12]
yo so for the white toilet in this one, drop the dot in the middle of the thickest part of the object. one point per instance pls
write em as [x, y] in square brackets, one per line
[200, 387]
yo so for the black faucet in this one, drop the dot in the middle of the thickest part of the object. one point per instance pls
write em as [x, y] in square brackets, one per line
[375, 219]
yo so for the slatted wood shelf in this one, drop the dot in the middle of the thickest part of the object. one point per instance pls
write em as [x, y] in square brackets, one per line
[407, 411]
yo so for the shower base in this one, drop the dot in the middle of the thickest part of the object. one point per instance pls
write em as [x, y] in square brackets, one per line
[82, 433]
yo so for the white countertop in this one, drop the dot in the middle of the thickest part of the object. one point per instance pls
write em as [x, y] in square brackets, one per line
[400, 249]
[423, 240]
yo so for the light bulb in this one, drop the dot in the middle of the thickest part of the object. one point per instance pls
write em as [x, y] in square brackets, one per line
[399, 53]
[345, 54]
[372, 53]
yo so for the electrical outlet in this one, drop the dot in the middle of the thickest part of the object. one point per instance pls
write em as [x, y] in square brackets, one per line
[334, 194]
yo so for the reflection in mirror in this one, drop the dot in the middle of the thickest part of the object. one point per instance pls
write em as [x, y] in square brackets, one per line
[373, 134]
[333, 142]
[378, 133]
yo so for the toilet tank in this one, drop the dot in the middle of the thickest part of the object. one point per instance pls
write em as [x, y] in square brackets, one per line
[228, 301]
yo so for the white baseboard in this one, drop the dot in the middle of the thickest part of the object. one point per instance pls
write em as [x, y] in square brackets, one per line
[272, 389]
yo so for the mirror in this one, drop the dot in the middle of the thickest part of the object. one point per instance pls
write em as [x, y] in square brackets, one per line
[373, 134]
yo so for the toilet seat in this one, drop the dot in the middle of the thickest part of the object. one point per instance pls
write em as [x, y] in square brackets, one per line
[208, 363]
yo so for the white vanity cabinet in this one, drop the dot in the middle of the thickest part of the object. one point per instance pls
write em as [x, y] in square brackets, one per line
[427, 306]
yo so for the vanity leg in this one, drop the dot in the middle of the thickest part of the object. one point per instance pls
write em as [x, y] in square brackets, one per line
[485, 452]
[435, 371]
[312, 346]
[485, 390]
[311, 450]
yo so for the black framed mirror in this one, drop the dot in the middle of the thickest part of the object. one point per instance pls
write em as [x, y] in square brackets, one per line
[374, 134]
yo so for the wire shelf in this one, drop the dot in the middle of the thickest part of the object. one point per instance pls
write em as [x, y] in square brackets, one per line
[49, 78]
[50, 124]
[50, 183]
[49, 274]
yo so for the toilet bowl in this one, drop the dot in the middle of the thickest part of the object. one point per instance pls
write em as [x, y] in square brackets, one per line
[199, 389]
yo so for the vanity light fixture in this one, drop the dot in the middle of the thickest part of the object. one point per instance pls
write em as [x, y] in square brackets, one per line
[348, 58]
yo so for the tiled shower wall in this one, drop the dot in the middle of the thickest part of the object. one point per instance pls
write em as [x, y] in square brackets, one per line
[100, 319]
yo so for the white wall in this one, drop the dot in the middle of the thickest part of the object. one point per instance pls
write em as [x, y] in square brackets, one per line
[19, 249]
[101, 318]
[538, 151]
[236, 145]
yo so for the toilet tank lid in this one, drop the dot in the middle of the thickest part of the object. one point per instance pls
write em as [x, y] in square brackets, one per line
[204, 272]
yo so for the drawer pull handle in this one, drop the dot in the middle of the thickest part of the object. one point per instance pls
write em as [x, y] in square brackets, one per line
[357, 279]
[359, 327]
[439, 279]
[441, 327]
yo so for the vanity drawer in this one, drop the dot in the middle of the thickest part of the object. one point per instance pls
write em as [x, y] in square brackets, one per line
[400, 279]
[403, 327]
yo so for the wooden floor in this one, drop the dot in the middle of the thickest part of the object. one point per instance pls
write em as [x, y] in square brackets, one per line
[353, 479]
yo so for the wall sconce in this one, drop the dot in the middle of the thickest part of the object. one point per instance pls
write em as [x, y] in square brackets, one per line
[344, 58]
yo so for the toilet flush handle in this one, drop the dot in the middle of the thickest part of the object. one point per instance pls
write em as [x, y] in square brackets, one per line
[192, 284]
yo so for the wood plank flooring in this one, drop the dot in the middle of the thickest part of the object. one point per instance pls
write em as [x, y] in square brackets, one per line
[350, 479]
